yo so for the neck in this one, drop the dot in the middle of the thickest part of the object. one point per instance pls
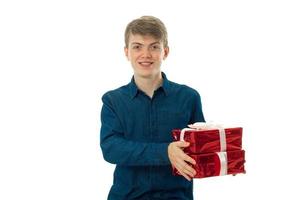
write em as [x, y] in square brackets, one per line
[148, 84]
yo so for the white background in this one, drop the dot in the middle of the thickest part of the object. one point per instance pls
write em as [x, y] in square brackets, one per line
[58, 57]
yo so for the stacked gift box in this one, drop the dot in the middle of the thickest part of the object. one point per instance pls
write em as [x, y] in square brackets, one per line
[216, 150]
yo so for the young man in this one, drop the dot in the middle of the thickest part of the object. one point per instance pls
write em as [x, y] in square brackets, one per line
[137, 120]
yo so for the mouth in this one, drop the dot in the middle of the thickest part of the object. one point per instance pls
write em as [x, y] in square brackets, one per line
[145, 64]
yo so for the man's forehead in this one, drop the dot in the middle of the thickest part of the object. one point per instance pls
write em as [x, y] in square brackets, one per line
[143, 39]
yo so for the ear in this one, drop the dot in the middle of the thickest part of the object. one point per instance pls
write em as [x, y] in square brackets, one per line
[126, 52]
[166, 52]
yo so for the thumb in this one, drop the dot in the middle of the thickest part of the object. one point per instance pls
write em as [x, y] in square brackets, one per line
[182, 144]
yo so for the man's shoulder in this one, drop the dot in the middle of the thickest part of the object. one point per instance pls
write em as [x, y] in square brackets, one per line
[117, 92]
[182, 88]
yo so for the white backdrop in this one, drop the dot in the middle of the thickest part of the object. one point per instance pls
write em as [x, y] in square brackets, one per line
[58, 57]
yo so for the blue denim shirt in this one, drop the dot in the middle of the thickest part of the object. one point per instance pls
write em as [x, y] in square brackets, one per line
[135, 134]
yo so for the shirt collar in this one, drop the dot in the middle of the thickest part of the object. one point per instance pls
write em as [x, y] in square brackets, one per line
[133, 89]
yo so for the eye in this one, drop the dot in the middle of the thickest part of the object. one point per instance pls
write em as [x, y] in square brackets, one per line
[136, 47]
[155, 47]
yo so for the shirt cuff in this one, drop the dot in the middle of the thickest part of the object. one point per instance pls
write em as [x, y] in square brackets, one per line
[162, 154]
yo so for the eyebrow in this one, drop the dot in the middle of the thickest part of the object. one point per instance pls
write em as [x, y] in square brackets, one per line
[143, 44]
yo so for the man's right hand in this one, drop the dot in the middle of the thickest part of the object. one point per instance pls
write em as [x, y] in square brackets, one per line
[180, 160]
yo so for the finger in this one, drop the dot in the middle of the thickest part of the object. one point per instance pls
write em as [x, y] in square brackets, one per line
[189, 159]
[185, 176]
[187, 167]
[183, 166]
[185, 170]
[189, 173]
[182, 144]
[191, 170]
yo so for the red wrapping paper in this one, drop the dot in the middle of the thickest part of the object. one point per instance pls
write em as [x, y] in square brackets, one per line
[206, 141]
[209, 164]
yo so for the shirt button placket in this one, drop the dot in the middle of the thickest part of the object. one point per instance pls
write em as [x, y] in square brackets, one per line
[152, 132]
[153, 120]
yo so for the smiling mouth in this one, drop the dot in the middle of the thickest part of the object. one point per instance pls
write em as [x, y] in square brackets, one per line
[145, 64]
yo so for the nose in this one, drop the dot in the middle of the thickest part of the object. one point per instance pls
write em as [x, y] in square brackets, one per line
[146, 53]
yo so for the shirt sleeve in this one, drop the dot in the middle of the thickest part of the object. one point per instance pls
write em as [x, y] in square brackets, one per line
[118, 150]
[197, 115]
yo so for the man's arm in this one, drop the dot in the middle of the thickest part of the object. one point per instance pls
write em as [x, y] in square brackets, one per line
[118, 150]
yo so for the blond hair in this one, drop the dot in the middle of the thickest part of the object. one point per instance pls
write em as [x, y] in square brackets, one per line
[147, 25]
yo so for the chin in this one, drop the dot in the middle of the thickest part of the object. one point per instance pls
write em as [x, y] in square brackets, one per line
[145, 75]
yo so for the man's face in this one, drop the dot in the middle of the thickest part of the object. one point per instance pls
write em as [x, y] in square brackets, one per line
[146, 55]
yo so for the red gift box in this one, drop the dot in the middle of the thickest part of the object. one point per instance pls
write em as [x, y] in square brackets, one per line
[206, 141]
[217, 164]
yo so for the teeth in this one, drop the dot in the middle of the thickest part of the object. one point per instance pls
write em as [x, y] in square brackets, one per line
[145, 63]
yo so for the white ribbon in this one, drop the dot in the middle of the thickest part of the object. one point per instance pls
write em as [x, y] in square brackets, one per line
[207, 126]
[223, 163]
[183, 131]
[222, 139]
